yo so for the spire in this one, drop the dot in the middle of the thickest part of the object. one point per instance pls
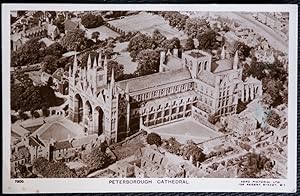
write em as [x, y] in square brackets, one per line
[235, 60]
[223, 53]
[95, 63]
[105, 60]
[89, 61]
[112, 76]
[100, 60]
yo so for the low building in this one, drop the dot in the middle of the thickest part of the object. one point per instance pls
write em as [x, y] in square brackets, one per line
[265, 56]
[20, 156]
[244, 126]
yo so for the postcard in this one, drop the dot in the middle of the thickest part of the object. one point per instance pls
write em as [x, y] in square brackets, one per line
[149, 98]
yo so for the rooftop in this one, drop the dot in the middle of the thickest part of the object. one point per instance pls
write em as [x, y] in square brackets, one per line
[207, 77]
[155, 80]
[222, 65]
[57, 131]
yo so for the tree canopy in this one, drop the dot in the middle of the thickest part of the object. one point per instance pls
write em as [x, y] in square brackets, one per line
[30, 53]
[91, 20]
[154, 138]
[148, 62]
[74, 40]
[97, 159]
[191, 150]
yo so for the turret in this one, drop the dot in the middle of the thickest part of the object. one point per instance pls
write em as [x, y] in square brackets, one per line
[235, 60]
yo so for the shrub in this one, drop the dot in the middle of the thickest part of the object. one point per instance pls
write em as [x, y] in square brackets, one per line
[13, 118]
[36, 114]
[154, 138]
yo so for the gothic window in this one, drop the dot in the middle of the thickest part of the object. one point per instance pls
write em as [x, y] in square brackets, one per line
[151, 109]
[159, 114]
[188, 107]
[173, 110]
[185, 60]
[166, 113]
[205, 65]
[167, 105]
[181, 101]
[181, 109]
[205, 101]
[210, 103]
[151, 117]
[174, 103]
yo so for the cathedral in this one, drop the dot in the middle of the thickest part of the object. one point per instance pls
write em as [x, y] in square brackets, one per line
[117, 109]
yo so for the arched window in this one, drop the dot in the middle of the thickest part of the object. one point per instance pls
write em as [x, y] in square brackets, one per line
[185, 60]
[205, 65]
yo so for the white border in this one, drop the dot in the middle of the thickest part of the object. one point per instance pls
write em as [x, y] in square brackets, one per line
[102, 184]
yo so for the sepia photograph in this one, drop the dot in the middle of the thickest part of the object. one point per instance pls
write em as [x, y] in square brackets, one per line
[142, 94]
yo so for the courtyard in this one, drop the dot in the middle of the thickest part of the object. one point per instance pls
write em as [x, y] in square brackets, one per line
[184, 130]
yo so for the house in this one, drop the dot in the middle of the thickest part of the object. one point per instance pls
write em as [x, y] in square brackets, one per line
[244, 126]
[19, 156]
[265, 56]
[17, 40]
[52, 31]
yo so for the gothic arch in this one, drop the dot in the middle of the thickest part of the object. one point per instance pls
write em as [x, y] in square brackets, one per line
[88, 113]
[78, 108]
[99, 120]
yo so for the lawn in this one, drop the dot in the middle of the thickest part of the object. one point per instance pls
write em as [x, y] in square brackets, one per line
[147, 23]
[185, 130]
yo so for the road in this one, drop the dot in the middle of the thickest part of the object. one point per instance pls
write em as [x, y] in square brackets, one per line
[273, 38]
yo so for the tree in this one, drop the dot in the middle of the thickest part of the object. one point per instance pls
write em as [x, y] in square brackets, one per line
[91, 21]
[45, 111]
[148, 62]
[207, 40]
[138, 43]
[154, 138]
[13, 118]
[158, 38]
[59, 22]
[95, 35]
[194, 27]
[36, 114]
[49, 64]
[189, 45]
[273, 119]
[55, 49]
[97, 159]
[51, 169]
[118, 69]
[30, 53]
[251, 165]
[191, 150]
[173, 146]
[74, 40]
[213, 118]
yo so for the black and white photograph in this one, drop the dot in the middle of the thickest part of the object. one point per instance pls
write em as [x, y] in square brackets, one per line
[142, 94]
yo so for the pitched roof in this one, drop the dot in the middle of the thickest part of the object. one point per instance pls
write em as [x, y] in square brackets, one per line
[222, 65]
[35, 141]
[70, 25]
[83, 140]
[207, 77]
[58, 74]
[155, 80]
[62, 145]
